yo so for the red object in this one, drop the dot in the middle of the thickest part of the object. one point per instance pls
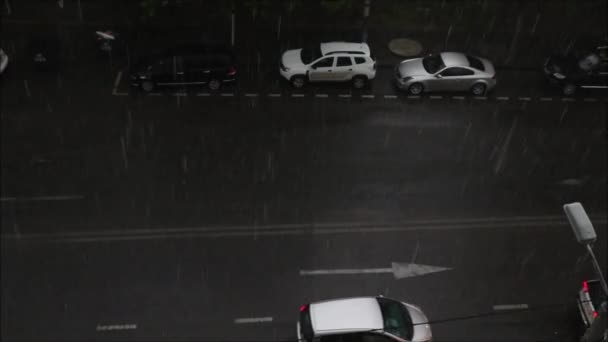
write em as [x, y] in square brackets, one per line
[231, 71]
[303, 307]
[585, 286]
[594, 314]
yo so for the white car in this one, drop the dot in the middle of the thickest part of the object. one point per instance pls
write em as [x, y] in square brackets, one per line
[329, 62]
[363, 319]
[3, 61]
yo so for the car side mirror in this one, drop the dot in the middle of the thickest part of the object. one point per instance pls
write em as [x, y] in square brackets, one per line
[439, 76]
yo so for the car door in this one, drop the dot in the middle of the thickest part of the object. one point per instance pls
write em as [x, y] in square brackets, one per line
[196, 70]
[322, 70]
[376, 337]
[451, 79]
[344, 68]
[167, 71]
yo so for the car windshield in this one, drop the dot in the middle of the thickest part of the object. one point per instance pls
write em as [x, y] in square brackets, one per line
[310, 54]
[396, 318]
[433, 63]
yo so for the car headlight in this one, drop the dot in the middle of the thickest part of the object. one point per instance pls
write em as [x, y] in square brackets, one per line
[559, 76]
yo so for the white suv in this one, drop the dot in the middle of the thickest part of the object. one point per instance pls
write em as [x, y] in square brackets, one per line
[363, 319]
[332, 62]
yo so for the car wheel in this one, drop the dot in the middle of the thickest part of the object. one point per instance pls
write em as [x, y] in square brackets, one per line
[359, 82]
[214, 84]
[478, 89]
[147, 86]
[416, 89]
[569, 89]
[298, 81]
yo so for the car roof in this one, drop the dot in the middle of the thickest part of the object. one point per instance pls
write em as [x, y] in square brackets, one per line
[349, 314]
[345, 47]
[452, 59]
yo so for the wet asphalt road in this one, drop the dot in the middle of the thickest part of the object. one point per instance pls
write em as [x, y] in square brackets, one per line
[169, 217]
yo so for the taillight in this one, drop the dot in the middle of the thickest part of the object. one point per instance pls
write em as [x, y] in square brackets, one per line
[585, 286]
[594, 314]
[494, 76]
[231, 71]
[303, 307]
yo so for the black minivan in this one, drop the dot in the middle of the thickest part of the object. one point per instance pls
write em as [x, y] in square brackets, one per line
[211, 65]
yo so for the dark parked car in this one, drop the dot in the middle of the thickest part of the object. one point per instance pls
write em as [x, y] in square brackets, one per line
[588, 70]
[186, 65]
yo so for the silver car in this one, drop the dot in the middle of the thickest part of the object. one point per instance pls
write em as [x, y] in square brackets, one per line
[446, 71]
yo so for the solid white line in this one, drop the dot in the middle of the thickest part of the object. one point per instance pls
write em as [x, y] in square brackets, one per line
[346, 271]
[297, 95]
[365, 96]
[390, 96]
[274, 95]
[510, 307]
[116, 327]
[480, 98]
[502, 98]
[524, 98]
[345, 95]
[590, 99]
[546, 99]
[458, 97]
[203, 94]
[251, 95]
[435, 97]
[252, 320]
[227, 94]
[42, 198]
[568, 99]
[321, 95]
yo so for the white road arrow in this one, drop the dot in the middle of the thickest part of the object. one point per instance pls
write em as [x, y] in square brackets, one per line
[398, 269]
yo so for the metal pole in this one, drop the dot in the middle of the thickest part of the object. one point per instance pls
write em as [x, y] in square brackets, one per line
[598, 269]
[232, 29]
[8, 7]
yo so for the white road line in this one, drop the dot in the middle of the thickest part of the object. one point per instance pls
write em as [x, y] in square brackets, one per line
[504, 307]
[251, 95]
[346, 96]
[390, 97]
[414, 97]
[116, 327]
[249, 320]
[502, 98]
[546, 99]
[121, 94]
[274, 95]
[568, 99]
[179, 94]
[524, 98]
[42, 198]
[321, 95]
[227, 94]
[590, 99]
[297, 95]
[458, 97]
[203, 94]
[155, 94]
[368, 96]
[435, 97]
[346, 271]
[116, 82]
[480, 98]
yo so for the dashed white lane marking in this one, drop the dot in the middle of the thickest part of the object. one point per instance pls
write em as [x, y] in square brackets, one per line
[502, 98]
[297, 95]
[524, 98]
[117, 82]
[249, 320]
[180, 94]
[546, 99]
[251, 95]
[458, 97]
[368, 96]
[345, 96]
[504, 307]
[321, 95]
[414, 97]
[42, 198]
[568, 99]
[274, 95]
[155, 94]
[390, 96]
[227, 94]
[121, 94]
[435, 97]
[203, 94]
[483, 98]
[116, 327]
[590, 99]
